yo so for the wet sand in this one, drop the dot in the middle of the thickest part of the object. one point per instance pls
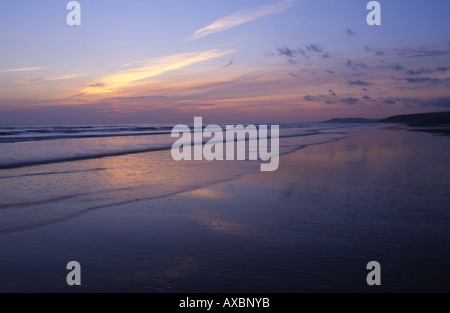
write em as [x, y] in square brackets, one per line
[311, 226]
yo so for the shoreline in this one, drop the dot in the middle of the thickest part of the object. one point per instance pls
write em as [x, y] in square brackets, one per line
[311, 226]
[143, 168]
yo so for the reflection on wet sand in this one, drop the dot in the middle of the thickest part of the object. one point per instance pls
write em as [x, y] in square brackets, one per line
[311, 226]
[161, 274]
[123, 179]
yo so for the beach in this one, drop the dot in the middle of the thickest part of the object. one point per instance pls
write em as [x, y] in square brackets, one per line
[311, 226]
[183, 148]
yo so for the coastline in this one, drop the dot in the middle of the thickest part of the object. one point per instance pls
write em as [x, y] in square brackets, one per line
[311, 226]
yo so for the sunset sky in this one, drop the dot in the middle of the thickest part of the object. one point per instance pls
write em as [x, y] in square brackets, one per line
[149, 61]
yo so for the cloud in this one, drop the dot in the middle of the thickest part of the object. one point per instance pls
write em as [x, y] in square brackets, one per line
[409, 52]
[239, 18]
[350, 32]
[98, 85]
[440, 102]
[52, 78]
[288, 52]
[421, 71]
[307, 51]
[355, 65]
[419, 80]
[397, 67]
[229, 64]
[358, 82]
[36, 79]
[291, 53]
[328, 99]
[437, 102]
[375, 51]
[350, 100]
[130, 64]
[315, 48]
[388, 101]
[392, 66]
[22, 69]
[419, 52]
[422, 80]
[151, 68]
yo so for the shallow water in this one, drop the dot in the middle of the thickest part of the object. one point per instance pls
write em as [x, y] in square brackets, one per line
[311, 226]
[51, 173]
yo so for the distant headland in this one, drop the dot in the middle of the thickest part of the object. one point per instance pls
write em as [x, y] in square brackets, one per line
[415, 120]
[352, 120]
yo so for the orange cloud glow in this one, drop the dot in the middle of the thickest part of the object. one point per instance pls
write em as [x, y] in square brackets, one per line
[122, 79]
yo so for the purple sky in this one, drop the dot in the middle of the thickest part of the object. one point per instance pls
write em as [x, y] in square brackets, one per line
[228, 61]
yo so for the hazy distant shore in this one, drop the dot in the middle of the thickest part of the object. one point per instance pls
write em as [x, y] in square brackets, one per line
[421, 119]
[311, 226]
[434, 122]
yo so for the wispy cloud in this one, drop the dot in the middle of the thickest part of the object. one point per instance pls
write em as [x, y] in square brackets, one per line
[431, 80]
[54, 78]
[437, 102]
[375, 51]
[152, 68]
[420, 71]
[314, 48]
[420, 52]
[397, 67]
[354, 65]
[410, 102]
[229, 64]
[239, 18]
[409, 52]
[307, 51]
[350, 32]
[389, 101]
[22, 69]
[358, 82]
[290, 53]
[350, 100]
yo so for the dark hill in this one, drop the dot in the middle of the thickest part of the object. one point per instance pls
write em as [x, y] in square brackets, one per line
[351, 120]
[422, 119]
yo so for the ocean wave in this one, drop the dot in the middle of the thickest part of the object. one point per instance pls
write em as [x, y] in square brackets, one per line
[57, 137]
[12, 134]
[79, 157]
[69, 151]
[53, 173]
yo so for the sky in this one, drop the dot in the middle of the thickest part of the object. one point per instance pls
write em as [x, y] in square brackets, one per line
[228, 61]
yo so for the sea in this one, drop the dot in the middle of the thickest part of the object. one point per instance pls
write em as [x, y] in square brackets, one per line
[52, 173]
